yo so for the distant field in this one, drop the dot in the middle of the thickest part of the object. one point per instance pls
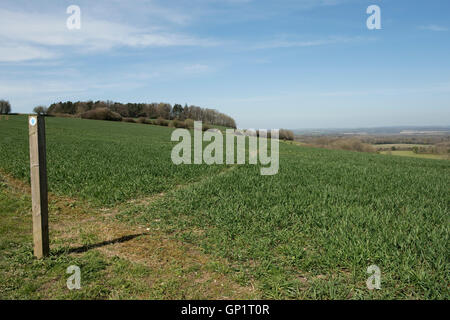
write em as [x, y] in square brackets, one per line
[310, 231]
[407, 153]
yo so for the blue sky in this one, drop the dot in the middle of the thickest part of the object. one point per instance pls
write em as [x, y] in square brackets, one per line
[268, 64]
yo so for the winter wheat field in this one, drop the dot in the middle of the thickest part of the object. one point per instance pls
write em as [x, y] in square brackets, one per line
[141, 227]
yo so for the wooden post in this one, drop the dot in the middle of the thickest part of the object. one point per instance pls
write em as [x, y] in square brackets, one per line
[38, 167]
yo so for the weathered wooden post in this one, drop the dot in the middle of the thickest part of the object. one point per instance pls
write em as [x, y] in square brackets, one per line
[38, 167]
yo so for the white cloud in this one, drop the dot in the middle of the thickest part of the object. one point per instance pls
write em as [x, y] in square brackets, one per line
[433, 27]
[39, 36]
[16, 53]
[140, 10]
[284, 42]
[196, 68]
[32, 88]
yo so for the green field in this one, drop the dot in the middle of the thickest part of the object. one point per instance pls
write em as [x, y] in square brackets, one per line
[99, 161]
[310, 231]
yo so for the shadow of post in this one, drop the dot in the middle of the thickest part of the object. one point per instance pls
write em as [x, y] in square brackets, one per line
[98, 245]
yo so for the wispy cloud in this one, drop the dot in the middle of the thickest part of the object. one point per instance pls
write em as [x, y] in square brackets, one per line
[433, 27]
[18, 52]
[39, 36]
[284, 42]
[196, 68]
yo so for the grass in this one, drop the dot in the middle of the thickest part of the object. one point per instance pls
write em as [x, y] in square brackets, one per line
[310, 231]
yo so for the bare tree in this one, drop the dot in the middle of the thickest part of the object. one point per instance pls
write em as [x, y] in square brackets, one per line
[41, 110]
[5, 107]
[164, 110]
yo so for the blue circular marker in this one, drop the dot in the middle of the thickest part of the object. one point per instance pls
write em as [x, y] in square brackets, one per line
[33, 121]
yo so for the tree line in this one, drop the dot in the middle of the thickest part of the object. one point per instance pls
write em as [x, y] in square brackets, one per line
[162, 114]
[147, 110]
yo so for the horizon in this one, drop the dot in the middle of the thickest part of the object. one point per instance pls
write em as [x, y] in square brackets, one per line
[269, 64]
